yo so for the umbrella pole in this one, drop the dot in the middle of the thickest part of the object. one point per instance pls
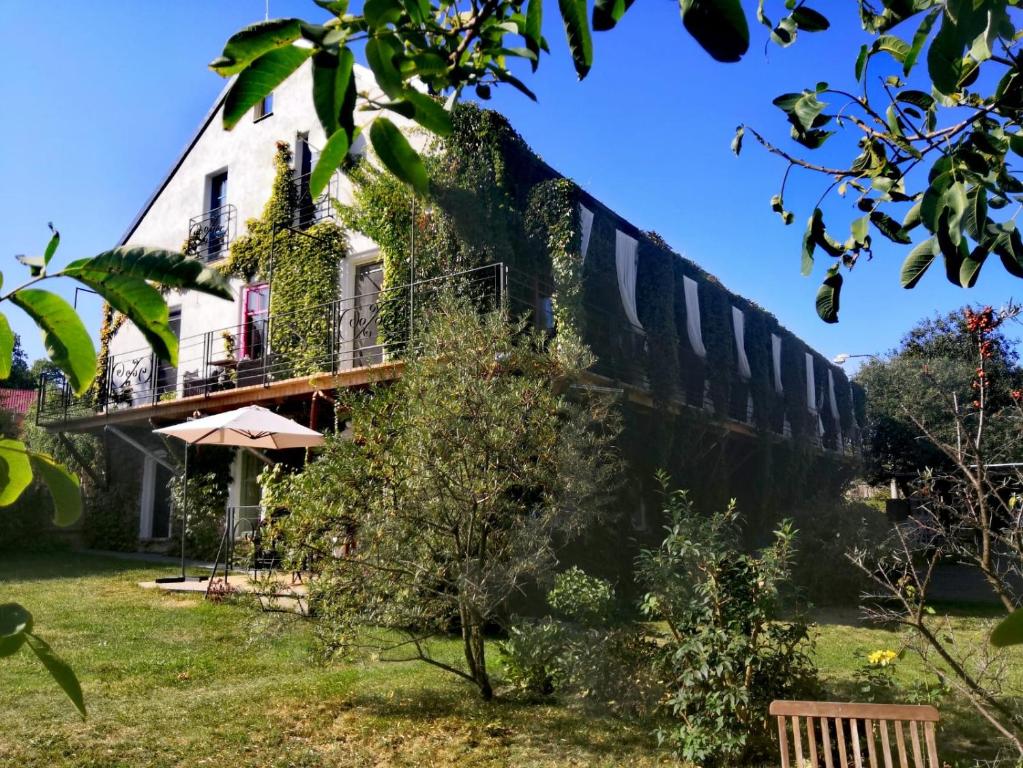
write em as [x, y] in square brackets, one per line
[184, 514]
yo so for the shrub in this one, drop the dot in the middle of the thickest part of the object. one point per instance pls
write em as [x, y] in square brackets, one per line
[585, 651]
[533, 656]
[581, 598]
[111, 519]
[207, 497]
[828, 531]
[727, 655]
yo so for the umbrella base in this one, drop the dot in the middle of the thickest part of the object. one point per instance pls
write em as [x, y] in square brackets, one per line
[179, 579]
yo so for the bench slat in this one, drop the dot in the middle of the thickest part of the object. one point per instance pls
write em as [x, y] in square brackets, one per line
[854, 731]
[900, 742]
[846, 710]
[783, 741]
[871, 747]
[826, 738]
[932, 747]
[797, 739]
[886, 747]
[843, 757]
[811, 735]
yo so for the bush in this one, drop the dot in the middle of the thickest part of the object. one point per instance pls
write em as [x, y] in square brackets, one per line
[585, 652]
[111, 518]
[26, 525]
[727, 655]
[821, 569]
[581, 598]
[207, 498]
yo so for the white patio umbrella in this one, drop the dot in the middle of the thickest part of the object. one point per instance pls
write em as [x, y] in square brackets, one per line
[250, 427]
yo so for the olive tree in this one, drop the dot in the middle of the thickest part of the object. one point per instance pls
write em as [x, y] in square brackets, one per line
[450, 489]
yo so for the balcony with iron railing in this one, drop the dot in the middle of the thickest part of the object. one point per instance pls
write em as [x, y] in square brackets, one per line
[344, 335]
[310, 210]
[210, 233]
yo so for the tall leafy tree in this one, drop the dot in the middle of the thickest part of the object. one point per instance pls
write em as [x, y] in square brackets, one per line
[935, 105]
[130, 279]
[451, 489]
[912, 394]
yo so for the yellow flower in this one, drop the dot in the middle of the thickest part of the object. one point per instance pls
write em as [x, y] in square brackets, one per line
[882, 658]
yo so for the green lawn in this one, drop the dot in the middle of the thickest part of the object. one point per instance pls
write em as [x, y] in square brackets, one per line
[175, 681]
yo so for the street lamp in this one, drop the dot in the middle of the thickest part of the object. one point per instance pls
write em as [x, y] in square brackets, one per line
[844, 357]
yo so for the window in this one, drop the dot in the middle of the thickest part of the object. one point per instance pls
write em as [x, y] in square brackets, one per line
[167, 374]
[255, 306]
[264, 108]
[217, 215]
[305, 160]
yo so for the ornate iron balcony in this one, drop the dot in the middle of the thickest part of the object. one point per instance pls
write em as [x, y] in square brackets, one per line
[210, 233]
[309, 211]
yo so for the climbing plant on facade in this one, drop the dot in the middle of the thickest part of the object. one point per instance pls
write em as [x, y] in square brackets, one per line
[302, 266]
[937, 106]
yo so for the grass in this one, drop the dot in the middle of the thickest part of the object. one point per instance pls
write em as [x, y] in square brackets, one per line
[172, 680]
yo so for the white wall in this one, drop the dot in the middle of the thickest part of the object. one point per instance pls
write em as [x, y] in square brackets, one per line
[247, 153]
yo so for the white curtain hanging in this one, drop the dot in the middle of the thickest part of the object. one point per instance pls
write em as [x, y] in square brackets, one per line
[776, 357]
[832, 402]
[627, 258]
[586, 223]
[739, 327]
[693, 316]
[811, 385]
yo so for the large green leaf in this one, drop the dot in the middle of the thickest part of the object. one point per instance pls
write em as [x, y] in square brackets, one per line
[250, 43]
[332, 74]
[15, 471]
[917, 262]
[397, 155]
[1009, 631]
[719, 26]
[259, 78]
[51, 247]
[15, 622]
[533, 32]
[142, 304]
[67, 342]
[607, 13]
[166, 268]
[380, 55]
[59, 670]
[331, 157]
[6, 347]
[429, 113]
[889, 227]
[945, 58]
[922, 33]
[809, 243]
[969, 270]
[828, 296]
[577, 30]
[809, 20]
[63, 486]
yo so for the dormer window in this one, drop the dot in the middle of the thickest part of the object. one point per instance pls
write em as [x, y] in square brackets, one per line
[264, 108]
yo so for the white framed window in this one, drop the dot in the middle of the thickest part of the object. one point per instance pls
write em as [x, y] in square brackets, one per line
[264, 108]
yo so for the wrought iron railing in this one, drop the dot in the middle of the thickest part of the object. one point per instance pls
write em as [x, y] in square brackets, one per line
[326, 338]
[210, 233]
[310, 210]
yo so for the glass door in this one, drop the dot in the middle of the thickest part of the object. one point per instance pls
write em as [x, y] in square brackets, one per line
[369, 279]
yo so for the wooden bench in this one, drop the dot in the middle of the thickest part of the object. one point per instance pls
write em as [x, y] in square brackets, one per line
[840, 735]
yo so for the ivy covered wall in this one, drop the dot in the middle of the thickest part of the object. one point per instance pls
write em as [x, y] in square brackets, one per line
[494, 200]
[302, 267]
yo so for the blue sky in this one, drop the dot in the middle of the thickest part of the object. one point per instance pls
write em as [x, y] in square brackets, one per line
[100, 97]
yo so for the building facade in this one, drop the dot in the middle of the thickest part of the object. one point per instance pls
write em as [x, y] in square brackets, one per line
[702, 372]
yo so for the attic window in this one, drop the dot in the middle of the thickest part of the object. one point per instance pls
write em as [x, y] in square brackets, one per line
[264, 108]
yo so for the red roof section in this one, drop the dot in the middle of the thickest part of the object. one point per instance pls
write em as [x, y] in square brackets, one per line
[17, 401]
